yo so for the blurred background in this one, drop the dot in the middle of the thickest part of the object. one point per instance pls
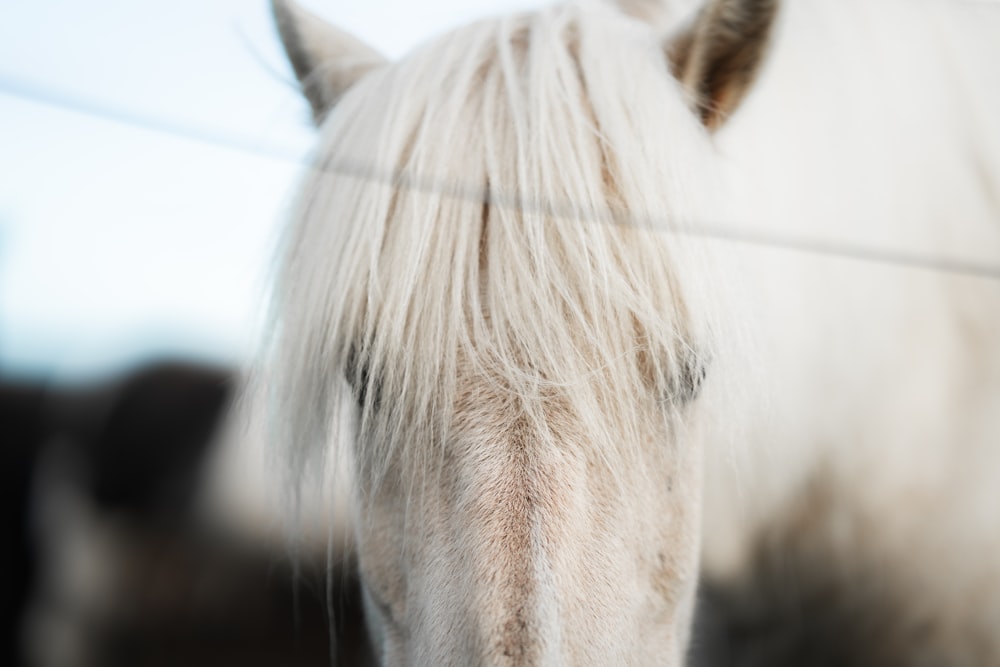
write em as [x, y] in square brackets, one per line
[147, 154]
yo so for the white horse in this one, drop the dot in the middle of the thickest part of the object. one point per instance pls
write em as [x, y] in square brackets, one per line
[612, 298]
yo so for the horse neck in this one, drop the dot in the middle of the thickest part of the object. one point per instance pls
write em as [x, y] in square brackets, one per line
[859, 134]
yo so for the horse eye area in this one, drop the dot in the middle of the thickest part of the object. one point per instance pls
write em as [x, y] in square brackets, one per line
[689, 378]
[678, 380]
[366, 387]
[379, 604]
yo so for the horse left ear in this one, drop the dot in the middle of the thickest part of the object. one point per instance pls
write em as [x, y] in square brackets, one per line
[719, 55]
[326, 60]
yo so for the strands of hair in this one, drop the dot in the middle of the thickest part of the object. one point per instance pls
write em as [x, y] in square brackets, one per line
[395, 289]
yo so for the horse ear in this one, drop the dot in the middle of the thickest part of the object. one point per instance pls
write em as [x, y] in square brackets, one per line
[718, 56]
[326, 60]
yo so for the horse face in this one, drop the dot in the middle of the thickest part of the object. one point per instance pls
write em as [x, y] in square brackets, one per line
[528, 461]
[524, 548]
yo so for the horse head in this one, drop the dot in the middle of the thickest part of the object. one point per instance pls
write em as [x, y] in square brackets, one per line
[483, 278]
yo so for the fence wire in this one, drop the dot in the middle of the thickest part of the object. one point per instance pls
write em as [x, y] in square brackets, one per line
[32, 92]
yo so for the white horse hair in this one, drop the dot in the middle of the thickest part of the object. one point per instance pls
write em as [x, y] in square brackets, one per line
[567, 396]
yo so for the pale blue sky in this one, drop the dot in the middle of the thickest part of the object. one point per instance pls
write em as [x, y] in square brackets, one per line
[117, 242]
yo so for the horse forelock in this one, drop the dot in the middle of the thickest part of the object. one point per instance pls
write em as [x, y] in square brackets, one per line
[494, 210]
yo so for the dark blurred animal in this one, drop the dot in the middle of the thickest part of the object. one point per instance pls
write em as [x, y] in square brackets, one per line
[112, 563]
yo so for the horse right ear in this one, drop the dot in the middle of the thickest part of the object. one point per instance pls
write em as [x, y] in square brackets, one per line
[326, 60]
[719, 55]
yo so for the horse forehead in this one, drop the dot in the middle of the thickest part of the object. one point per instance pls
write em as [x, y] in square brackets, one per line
[529, 452]
[525, 487]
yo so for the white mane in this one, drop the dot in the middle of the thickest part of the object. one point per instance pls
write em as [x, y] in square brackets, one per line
[502, 185]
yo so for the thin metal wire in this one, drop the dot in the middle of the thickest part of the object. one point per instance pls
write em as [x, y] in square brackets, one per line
[32, 92]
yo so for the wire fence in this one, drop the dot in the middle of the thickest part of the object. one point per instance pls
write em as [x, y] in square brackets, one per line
[32, 92]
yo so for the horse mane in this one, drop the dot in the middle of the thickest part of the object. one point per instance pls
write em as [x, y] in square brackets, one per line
[498, 204]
